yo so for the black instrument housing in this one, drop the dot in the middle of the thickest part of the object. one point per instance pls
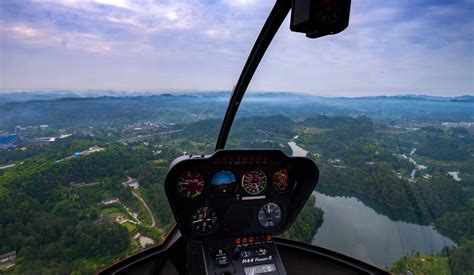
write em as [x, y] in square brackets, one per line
[318, 18]
[237, 211]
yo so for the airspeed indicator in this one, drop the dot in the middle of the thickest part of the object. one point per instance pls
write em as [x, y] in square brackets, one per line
[254, 182]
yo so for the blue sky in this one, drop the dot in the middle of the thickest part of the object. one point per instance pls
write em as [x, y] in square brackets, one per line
[390, 47]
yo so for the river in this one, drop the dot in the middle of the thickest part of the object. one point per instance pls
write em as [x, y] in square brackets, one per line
[297, 151]
[365, 229]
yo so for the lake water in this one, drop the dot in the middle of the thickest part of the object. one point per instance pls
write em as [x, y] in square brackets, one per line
[353, 228]
[365, 229]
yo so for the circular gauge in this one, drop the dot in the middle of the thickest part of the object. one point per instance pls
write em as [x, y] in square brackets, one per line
[204, 219]
[280, 181]
[254, 182]
[190, 184]
[224, 181]
[269, 215]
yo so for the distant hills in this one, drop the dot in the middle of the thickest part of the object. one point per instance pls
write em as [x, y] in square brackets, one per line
[63, 108]
[23, 96]
[28, 96]
[464, 98]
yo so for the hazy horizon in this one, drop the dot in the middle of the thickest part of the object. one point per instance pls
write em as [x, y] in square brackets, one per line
[107, 92]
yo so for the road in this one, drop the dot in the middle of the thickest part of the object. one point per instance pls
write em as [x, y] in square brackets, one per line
[147, 208]
[78, 185]
[7, 166]
[146, 136]
[121, 140]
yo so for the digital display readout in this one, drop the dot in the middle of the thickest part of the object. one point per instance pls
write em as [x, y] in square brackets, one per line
[259, 269]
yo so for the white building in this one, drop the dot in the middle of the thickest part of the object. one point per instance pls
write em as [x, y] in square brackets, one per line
[110, 200]
[131, 183]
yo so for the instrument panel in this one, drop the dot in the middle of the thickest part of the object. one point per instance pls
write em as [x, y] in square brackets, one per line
[236, 193]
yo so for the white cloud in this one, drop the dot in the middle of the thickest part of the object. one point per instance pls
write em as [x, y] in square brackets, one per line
[241, 3]
[49, 36]
[23, 30]
[371, 16]
[116, 3]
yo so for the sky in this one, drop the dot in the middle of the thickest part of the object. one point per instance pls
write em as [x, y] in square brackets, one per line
[390, 47]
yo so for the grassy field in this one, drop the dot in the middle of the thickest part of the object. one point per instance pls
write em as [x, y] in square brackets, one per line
[160, 162]
[130, 226]
[115, 209]
[310, 130]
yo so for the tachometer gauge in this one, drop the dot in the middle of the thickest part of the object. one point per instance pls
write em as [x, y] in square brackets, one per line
[224, 181]
[280, 181]
[254, 182]
[204, 219]
[269, 215]
[190, 184]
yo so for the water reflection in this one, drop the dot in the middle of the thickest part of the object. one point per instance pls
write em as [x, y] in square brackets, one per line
[372, 232]
[394, 214]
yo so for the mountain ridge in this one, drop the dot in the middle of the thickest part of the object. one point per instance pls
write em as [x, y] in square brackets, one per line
[27, 96]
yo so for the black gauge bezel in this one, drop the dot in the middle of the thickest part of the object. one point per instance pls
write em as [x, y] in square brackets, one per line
[217, 190]
[204, 233]
[180, 193]
[264, 184]
[279, 221]
[291, 182]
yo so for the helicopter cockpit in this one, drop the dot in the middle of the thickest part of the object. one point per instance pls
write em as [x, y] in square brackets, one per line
[228, 206]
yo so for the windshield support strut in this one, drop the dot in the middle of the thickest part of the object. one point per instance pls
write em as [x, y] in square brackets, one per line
[269, 29]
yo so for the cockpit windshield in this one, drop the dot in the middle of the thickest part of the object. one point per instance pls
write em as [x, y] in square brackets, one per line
[98, 97]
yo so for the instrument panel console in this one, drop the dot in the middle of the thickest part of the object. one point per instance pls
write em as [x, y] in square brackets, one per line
[235, 193]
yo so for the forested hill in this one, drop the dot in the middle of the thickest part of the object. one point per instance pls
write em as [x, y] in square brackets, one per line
[168, 108]
[82, 112]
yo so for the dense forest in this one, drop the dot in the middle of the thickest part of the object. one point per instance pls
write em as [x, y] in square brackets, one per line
[356, 155]
[307, 223]
[50, 225]
[44, 215]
